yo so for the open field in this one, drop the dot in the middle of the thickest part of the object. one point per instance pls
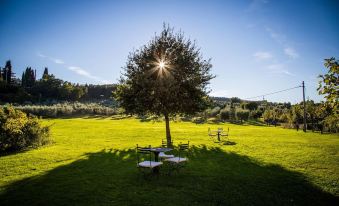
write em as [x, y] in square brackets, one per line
[92, 162]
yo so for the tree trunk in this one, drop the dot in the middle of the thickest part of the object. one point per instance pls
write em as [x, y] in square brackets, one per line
[168, 132]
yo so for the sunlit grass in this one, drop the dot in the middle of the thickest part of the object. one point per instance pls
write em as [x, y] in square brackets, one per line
[81, 149]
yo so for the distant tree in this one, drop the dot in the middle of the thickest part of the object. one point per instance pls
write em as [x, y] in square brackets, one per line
[8, 72]
[28, 77]
[225, 114]
[296, 115]
[311, 113]
[235, 100]
[167, 76]
[242, 114]
[45, 74]
[252, 106]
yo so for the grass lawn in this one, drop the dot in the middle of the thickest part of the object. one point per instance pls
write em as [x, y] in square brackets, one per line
[92, 162]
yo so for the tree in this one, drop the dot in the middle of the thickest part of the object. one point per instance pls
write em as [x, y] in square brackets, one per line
[8, 72]
[168, 76]
[252, 106]
[242, 114]
[28, 77]
[45, 74]
[329, 84]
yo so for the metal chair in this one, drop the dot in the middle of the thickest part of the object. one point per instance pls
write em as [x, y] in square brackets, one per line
[146, 164]
[225, 134]
[180, 158]
[162, 155]
[210, 133]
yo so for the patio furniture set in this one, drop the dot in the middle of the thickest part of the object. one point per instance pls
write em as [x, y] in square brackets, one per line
[145, 160]
[219, 132]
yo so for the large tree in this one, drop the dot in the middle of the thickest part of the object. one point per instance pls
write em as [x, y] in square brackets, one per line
[329, 86]
[167, 76]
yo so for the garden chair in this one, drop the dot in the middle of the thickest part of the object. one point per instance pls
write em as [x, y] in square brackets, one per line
[162, 155]
[147, 164]
[225, 134]
[210, 133]
[178, 161]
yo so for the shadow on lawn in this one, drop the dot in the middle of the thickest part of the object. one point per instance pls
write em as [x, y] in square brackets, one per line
[212, 177]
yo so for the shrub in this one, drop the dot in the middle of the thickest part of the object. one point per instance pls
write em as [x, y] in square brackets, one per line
[68, 109]
[242, 114]
[19, 131]
[225, 114]
[198, 120]
[214, 112]
[256, 114]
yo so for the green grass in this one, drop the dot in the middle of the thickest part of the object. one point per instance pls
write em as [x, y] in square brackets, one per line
[92, 162]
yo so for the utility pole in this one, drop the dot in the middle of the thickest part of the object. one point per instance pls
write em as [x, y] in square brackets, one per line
[305, 126]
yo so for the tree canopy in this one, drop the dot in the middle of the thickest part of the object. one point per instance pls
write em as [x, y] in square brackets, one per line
[329, 84]
[167, 76]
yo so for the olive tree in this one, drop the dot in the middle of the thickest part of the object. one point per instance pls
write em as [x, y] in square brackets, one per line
[167, 76]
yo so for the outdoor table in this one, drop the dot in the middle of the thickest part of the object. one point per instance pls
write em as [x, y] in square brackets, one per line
[157, 150]
[219, 131]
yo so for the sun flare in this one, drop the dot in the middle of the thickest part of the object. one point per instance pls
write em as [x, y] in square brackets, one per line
[161, 64]
[161, 67]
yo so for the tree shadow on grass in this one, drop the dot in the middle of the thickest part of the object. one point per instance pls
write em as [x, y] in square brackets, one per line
[212, 177]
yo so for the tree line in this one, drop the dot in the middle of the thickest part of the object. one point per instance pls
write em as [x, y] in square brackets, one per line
[32, 89]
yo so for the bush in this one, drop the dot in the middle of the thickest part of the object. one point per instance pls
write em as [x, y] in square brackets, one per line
[242, 115]
[19, 131]
[198, 120]
[68, 109]
[225, 114]
[214, 112]
[256, 114]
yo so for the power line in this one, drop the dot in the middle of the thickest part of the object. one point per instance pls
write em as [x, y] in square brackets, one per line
[263, 95]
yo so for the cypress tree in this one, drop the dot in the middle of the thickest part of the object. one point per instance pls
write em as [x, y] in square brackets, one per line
[45, 74]
[8, 69]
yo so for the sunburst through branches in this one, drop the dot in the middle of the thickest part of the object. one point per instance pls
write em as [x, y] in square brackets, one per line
[161, 66]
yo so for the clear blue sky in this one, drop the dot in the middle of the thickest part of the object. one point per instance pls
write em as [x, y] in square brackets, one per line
[256, 46]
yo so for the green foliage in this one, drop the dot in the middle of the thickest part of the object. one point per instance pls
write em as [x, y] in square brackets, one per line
[212, 112]
[329, 84]
[251, 106]
[242, 114]
[225, 114]
[168, 76]
[68, 109]
[179, 87]
[235, 100]
[28, 77]
[45, 75]
[19, 131]
[47, 88]
[256, 114]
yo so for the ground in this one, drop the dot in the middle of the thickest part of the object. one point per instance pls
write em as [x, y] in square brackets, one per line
[92, 161]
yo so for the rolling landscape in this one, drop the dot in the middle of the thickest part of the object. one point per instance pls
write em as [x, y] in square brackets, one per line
[169, 103]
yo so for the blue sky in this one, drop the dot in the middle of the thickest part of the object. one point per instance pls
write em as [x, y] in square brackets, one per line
[256, 46]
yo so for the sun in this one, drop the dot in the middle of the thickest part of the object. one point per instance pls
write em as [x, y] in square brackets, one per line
[162, 64]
